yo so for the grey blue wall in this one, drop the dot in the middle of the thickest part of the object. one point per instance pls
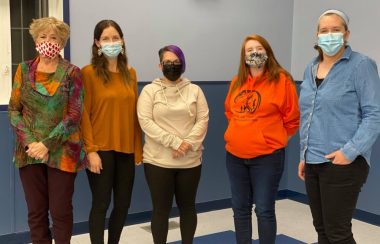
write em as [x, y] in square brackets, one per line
[364, 25]
[210, 33]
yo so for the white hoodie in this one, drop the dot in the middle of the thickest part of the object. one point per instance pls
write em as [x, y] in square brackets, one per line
[169, 114]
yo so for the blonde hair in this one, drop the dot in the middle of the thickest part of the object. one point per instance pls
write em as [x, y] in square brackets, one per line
[61, 28]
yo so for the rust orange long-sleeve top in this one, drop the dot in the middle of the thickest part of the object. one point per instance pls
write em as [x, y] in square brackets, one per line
[261, 116]
[109, 120]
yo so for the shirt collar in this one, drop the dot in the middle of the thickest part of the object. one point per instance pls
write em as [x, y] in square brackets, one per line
[346, 55]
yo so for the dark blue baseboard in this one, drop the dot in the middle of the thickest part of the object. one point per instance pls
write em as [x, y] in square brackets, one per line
[3, 107]
[137, 218]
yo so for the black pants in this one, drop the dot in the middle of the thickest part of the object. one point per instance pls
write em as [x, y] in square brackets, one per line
[333, 192]
[164, 183]
[117, 176]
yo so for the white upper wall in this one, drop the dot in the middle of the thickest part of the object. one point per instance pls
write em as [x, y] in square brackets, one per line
[364, 27]
[210, 32]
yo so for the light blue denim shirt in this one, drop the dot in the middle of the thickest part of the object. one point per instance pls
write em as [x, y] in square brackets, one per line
[343, 112]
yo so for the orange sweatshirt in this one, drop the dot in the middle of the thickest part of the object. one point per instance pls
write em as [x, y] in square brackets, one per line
[109, 120]
[261, 116]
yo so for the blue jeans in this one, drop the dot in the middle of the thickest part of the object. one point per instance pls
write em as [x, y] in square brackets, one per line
[255, 181]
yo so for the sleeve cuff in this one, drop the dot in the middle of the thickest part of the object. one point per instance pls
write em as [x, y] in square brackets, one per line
[92, 149]
[350, 152]
[50, 144]
[302, 155]
[29, 141]
[177, 143]
[291, 131]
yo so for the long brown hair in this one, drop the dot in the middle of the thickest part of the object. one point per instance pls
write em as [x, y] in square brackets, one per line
[100, 63]
[272, 67]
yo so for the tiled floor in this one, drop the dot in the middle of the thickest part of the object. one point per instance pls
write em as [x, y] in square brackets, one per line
[293, 220]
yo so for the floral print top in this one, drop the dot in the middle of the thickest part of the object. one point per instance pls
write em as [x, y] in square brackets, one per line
[47, 108]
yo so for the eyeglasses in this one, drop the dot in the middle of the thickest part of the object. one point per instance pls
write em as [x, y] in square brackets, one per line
[175, 62]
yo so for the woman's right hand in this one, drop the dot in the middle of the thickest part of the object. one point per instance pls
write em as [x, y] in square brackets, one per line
[301, 170]
[94, 162]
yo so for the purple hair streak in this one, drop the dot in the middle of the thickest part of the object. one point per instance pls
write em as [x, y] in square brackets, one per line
[177, 51]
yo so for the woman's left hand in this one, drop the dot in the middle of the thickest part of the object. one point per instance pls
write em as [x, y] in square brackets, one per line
[182, 150]
[338, 157]
[184, 147]
[37, 150]
[177, 154]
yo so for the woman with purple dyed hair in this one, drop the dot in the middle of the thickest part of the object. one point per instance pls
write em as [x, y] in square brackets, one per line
[173, 114]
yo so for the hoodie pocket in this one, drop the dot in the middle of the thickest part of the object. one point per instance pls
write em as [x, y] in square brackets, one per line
[275, 135]
[245, 137]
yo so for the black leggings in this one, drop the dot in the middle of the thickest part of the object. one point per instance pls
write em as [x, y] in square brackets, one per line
[117, 176]
[164, 183]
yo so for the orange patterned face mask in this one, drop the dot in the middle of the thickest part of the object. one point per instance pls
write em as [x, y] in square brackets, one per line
[48, 49]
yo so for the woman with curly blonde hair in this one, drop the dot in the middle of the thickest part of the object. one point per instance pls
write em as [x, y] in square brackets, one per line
[45, 111]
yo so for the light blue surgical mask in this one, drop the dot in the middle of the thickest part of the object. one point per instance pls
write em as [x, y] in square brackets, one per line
[111, 50]
[331, 42]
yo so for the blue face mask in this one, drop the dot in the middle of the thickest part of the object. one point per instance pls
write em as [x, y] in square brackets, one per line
[331, 43]
[111, 50]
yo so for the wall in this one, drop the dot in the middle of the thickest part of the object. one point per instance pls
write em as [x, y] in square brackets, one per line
[364, 37]
[144, 35]
[210, 32]
[6, 179]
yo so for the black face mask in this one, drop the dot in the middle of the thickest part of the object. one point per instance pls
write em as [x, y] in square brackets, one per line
[172, 71]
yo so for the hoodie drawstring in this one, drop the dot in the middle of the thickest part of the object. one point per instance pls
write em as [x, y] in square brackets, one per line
[183, 99]
[163, 93]
[180, 94]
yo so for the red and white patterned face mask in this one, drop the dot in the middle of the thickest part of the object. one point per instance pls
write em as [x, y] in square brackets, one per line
[48, 49]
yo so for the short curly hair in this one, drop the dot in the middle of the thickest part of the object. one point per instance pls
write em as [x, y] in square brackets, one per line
[61, 28]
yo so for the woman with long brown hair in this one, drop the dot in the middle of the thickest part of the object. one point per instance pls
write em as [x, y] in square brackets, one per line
[111, 132]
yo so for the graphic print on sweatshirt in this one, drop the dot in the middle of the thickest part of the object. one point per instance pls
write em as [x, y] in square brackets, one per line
[246, 103]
